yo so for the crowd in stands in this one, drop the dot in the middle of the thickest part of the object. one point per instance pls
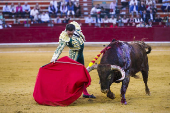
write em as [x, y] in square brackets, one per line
[142, 12]
[64, 7]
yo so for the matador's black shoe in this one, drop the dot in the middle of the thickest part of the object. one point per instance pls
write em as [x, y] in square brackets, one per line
[89, 96]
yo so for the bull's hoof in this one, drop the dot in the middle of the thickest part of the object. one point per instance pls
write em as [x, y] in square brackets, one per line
[147, 92]
[111, 95]
[123, 101]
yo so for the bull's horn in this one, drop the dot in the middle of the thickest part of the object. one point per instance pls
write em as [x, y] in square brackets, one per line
[114, 67]
[94, 66]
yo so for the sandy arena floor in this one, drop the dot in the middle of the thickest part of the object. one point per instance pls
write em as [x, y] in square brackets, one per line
[19, 68]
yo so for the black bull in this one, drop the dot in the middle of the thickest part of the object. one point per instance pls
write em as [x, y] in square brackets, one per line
[123, 58]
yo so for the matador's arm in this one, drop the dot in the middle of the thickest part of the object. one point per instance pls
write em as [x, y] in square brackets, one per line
[63, 39]
[58, 51]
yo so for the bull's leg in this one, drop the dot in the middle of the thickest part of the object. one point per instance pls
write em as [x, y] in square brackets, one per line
[145, 79]
[124, 87]
[111, 95]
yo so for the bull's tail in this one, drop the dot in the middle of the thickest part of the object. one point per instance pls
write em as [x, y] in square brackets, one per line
[149, 48]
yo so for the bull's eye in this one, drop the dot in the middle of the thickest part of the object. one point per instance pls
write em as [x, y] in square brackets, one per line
[109, 77]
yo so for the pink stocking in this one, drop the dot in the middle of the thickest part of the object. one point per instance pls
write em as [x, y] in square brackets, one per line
[85, 91]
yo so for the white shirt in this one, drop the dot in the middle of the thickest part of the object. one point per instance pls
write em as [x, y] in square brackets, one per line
[89, 20]
[62, 9]
[150, 2]
[112, 6]
[12, 9]
[54, 3]
[112, 20]
[106, 21]
[6, 9]
[134, 8]
[124, 20]
[36, 17]
[33, 12]
[132, 2]
[45, 17]
[151, 16]
[24, 7]
[57, 21]
[165, 4]
[137, 20]
[99, 20]
[93, 10]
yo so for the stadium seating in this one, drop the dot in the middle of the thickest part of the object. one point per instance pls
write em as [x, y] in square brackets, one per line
[86, 6]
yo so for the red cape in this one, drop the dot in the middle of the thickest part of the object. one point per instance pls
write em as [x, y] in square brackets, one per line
[60, 83]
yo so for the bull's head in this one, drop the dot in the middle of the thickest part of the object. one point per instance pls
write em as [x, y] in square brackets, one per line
[109, 74]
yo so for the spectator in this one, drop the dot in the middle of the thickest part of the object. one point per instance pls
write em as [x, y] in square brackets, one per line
[12, 10]
[52, 10]
[26, 9]
[6, 10]
[124, 3]
[94, 11]
[63, 9]
[124, 19]
[138, 19]
[151, 7]
[74, 2]
[38, 8]
[131, 4]
[37, 18]
[140, 24]
[151, 15]
[1, 18]
[113, 7]
[165, 5]
[106, 20]
[158, 19]
[45, 18]
[33, 13]
[145, 16]
[134, 8]
[89, 20]
[131, 20]
[57, 20]
[66, 20]
[62, 2]
[112, 20]
[70, 8]
[149, 23]
[142, 7]
[54, 2]
[103, 12]
[77, 9]
[19, 10]
[165, 19]
[150, 2]
[59, 4]
[98, 21]
[70, 2]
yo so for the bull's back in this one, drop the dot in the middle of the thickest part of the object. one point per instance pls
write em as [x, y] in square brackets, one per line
[115, 55]
[139, 58]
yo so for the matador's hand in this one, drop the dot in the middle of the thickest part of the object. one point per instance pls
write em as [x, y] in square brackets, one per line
[53, 60]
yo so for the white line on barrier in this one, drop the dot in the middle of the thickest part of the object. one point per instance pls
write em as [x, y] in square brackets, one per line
[86, 43]
[53, 51]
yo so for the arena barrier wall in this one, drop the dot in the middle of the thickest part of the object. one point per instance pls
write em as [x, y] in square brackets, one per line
[50, 35]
